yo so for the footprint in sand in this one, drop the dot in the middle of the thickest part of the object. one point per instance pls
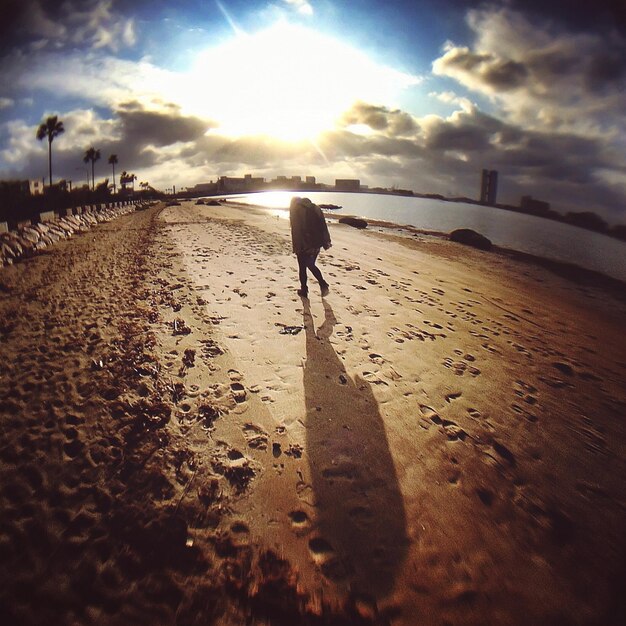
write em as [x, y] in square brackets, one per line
[256, 437]
[237, 389]
[325, 558]
[240, 534]
[300, 522]
[453, 396]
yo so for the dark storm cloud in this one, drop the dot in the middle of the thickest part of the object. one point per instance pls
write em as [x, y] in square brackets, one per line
[607, 70]
[49, 23]
[141, 127]
[573, 14]
[466, 131]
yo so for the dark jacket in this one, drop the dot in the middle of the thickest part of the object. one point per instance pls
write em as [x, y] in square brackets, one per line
[309, 232]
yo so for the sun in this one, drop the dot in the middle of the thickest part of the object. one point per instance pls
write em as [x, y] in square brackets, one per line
[287, 82]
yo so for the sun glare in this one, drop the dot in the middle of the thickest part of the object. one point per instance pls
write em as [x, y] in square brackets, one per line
[286, 82]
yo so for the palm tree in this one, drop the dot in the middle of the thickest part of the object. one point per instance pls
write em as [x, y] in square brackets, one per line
[92, 155]
[112, 162]
[51, 128]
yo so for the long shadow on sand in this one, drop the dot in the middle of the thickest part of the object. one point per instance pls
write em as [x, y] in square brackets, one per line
[361, 539]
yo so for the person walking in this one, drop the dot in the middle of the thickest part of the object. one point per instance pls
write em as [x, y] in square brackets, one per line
[309, 234]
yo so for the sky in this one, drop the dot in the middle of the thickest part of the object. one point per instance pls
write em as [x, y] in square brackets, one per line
[417, 95]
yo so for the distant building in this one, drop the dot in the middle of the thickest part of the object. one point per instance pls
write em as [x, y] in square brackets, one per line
[489, 187]
[530, 205]
[310, 180]
[36, 187]
[232, 184]
[203, 188]
[347, 184]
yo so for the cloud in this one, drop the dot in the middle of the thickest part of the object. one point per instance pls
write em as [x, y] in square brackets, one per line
[493, 73]
[380, 118]
[93, 77]
[5, 103]
[560, 96]
[302, 6]
[91, 23]
[540, 75]
[158, 128]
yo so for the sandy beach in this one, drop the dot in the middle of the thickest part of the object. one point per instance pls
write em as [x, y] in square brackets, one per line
[186, 441]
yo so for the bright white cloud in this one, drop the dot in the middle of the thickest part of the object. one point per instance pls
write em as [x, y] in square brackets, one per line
[302, 6]
[449, 97]
[286, 81]
[98, 78]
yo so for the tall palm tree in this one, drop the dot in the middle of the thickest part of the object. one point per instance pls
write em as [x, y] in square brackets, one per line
[92, 155]
[51, 128]
[112, 162]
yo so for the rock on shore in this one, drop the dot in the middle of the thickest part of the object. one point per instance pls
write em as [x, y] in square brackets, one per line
[470, 237]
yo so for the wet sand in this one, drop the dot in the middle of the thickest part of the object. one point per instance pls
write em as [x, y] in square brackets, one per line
[186, 441]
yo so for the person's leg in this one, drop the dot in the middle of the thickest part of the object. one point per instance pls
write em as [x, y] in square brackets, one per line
[310, 263]
[302, 265]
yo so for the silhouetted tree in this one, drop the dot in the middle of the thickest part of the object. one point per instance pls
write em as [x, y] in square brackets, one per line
[51, 128]
[587, 219]
[619, 230]
[112, 162]
[92, 155]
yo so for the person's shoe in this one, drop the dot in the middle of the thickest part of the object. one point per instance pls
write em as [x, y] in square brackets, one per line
[324, 288]
[303, 293]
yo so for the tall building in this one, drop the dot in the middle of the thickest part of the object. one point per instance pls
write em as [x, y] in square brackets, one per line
[489, 187]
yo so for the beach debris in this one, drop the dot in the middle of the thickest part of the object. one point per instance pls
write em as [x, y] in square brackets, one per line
[288, 330]
[470, 237]
[207, 414]
[151, 415]
[355, 222]
[189, 357]
[180, 327]
[209, 492]
[178, 391]
[294, 450]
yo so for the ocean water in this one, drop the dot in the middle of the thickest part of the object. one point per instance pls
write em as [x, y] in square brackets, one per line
[517, 231]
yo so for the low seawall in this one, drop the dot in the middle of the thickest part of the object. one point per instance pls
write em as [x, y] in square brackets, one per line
[26, 238]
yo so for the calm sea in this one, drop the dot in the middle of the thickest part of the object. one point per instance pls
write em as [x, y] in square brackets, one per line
[526, 233]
